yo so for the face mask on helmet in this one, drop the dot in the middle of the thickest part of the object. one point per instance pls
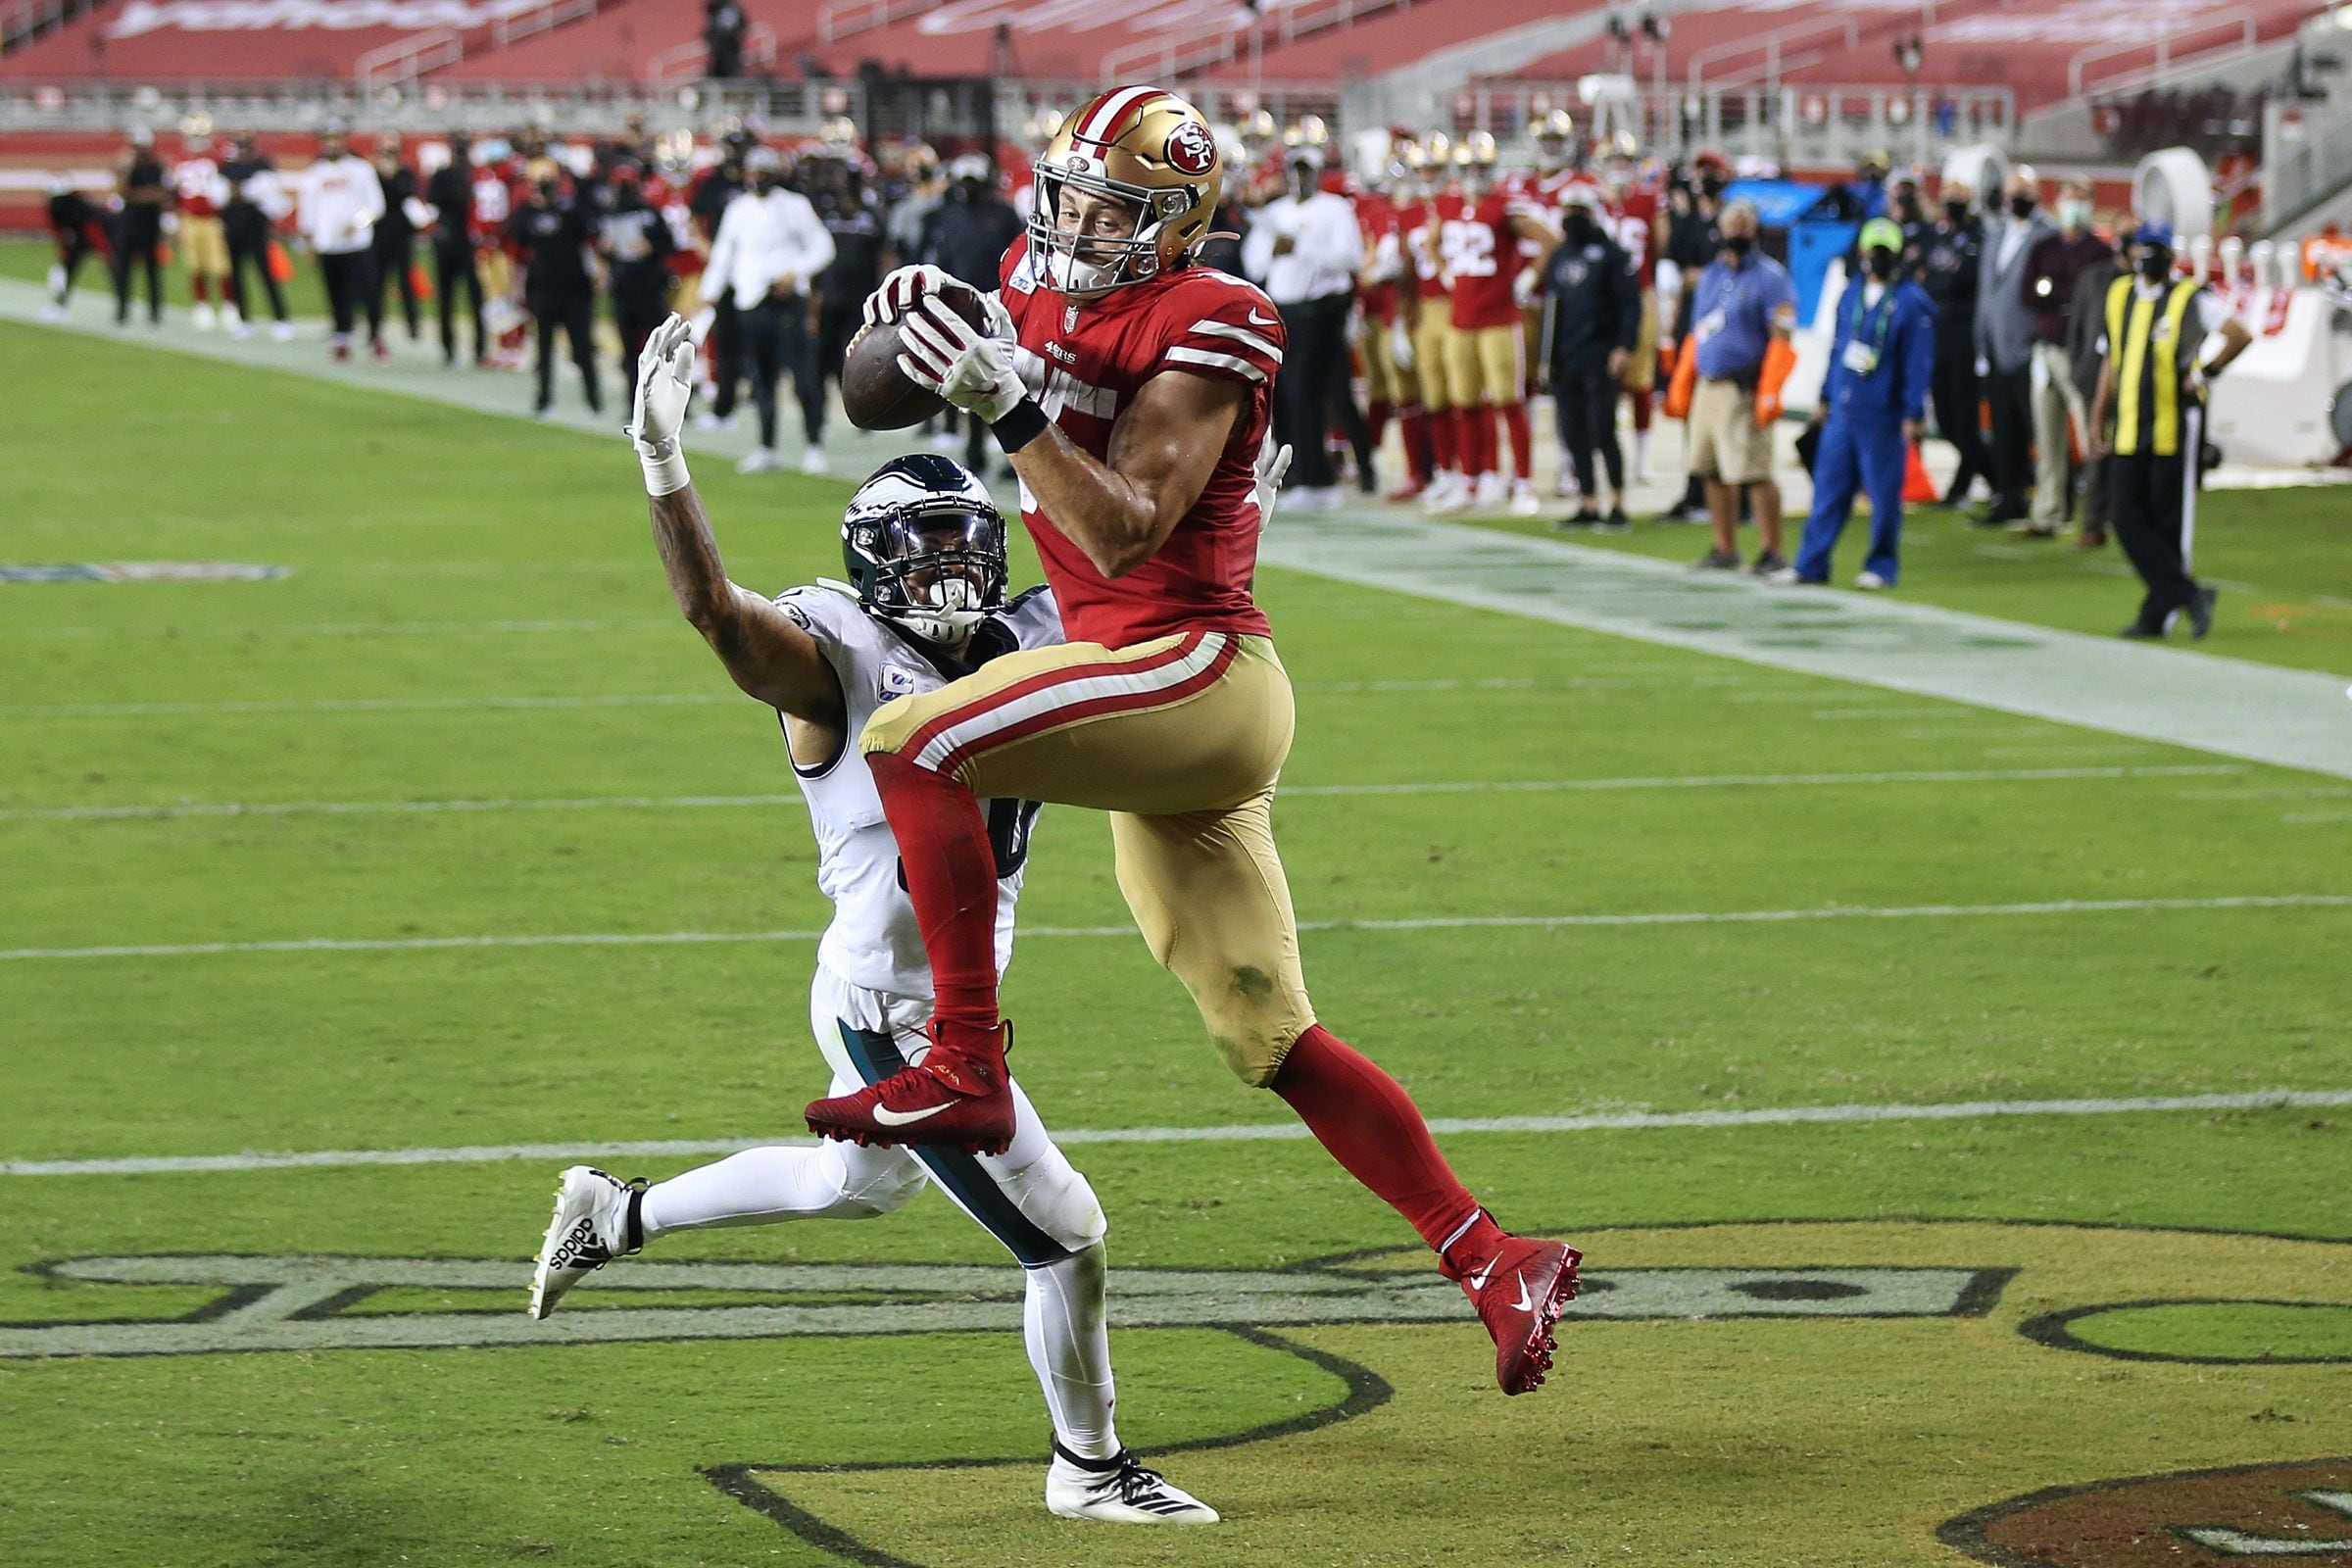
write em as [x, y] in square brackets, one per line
[925, 550]
[1081, 261]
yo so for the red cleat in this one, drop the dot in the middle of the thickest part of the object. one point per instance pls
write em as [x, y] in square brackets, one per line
[947, 1100]
[1408, 491]
[1520, 1292]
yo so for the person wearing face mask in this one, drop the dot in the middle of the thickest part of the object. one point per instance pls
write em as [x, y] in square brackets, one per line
[1305, 250]
[2085, 354]
[770, 243]
[2005, 334]
[338, 204]
[2153, 387]
[1873, 401]
[1744, 315]
[1693, 207]
[553, 231]
[2053, 267]
[1949, 262]
[1594, 318]
[969, 234]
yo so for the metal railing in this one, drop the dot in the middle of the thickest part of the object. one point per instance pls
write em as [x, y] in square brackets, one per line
[2306, 159]
[1793, 126]
[2247, 24]
[31, 19]
[842, 18]
[406, 59]
[577, 109]
[541, 17]
[1214, 43]
[684, 62]
[1769, 69]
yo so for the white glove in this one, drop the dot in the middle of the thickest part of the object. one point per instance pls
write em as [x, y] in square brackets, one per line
[900, 290]
[1523, 288]
[1273, 461]
[665, 383]
[1401, 345]
[960, 363]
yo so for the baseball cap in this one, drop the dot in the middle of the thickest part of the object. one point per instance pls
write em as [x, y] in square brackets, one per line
[2153, 231]
[1882, 234]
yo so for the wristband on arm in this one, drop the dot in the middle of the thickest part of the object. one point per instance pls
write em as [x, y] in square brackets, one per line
[1022, 424]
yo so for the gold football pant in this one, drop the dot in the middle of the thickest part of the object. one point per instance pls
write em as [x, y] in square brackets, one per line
[1433, 359]
[1384, 381]
[1486, 365]
[1180, 739]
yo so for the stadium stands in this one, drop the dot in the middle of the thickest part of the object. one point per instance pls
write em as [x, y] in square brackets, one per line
[1394, 39]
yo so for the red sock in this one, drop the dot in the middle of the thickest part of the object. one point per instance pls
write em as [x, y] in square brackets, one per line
[1413, 424]
[1376, 416]
[1641, 403]
[1372, 1128]
[1514, 419]
[1441, 444]
[952, 879]
[1479, 418]
[200, 288]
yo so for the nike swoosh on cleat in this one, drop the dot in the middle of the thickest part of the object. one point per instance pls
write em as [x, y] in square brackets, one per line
[1525, 1303]
[1478, 1281]
[901, 1118]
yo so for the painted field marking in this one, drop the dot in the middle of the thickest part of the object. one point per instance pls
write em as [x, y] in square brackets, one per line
[2267, 791]
[1458, 922]
[597, 802]
[1245, 1132]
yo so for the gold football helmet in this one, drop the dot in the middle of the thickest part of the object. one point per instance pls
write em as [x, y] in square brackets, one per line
[1146, 149]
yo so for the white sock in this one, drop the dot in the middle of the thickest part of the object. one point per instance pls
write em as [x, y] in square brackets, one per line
[1069, 1345]
[1642, 450]
[767, 1186]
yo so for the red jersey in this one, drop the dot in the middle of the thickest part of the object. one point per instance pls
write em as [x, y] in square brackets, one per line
[1632, 223]
[493, 204]
[1423, 226]
[1482, 259]
[198, 187]
[1375, 218]
[1085, 367]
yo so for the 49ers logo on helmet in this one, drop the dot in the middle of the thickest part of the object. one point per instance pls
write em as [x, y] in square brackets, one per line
[1192, 150]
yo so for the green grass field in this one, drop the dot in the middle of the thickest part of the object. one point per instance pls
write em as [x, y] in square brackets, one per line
[474, 613]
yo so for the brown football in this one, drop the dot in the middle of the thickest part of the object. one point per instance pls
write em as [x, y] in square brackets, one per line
[875, 393]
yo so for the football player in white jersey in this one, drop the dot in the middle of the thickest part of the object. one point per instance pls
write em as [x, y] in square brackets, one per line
[924, 604]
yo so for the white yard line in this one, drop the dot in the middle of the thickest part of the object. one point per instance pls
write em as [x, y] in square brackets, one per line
[165, 812]
[1247, 1132]
[1537, 922]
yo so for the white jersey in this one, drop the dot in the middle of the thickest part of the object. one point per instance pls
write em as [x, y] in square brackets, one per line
[873, 941]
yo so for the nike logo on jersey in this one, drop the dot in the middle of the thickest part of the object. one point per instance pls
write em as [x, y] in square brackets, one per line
[901, 1118]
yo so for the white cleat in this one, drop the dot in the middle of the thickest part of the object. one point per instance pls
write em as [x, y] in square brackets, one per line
[240, 331]
[201, 318]
[281, 331]
[1118, 1491]
[594, 1223]
[1449, 492]
[1494, 492]
[53, 311]
[762, 460]
[815, 462]
[1870, 583]
[1524, 500]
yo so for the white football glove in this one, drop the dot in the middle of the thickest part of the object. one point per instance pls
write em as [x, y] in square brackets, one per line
[1273, 461]
[900, 290]
[665, 383]
[1400, 344]
[1523, 286]
[963, 364]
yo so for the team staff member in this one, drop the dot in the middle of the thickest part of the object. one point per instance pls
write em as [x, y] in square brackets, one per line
[1693, 215]
[1305, 250]
[1594, 322]
[395, 240]
[257, 200]
[448, 192]
[80, 230]
[2006, 332]
[340, 200]
[2154, 388]
[770, 243]
[140, 228]
[1873, 404]
[553, 231]
[2053, 270]
[1950, 258]
[2085, 352]
[636, 240]
[1743, 314]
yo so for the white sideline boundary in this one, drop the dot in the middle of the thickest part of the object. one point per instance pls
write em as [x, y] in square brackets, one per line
[165, 810]
[1245, 1132]
[1457, 922]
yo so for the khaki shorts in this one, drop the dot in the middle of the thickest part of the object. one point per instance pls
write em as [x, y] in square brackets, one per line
[1433, 357]
[1384, 381]
[1726, 443]
[1489, 365]
[1642, 370]
[204, 245]
[1180, 739]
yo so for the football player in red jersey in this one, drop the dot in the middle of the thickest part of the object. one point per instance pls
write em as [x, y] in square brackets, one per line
[1429, 316]
[1485, 258]
[198, 194]
[1131, 389]
[1383, 294]
[1637, 223]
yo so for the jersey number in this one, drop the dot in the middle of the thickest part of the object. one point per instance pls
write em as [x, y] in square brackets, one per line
[1468, 248]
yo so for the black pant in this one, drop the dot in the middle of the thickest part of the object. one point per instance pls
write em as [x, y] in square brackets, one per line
[392, 267]
[1584, 403]
[136, 245]
[1313, 387]
[574, 312]
[726, 353]
[454, 269]
[2011, 393]
[640, 302]
[837, 323]
[349, 278]
[775, 339]
[249, 247]
[2154, 511]
[73, 249]
[1958, 396]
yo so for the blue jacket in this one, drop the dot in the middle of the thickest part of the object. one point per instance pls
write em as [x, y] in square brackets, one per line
[1901, 331]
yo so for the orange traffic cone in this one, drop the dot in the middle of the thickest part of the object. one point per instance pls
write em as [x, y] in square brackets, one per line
[1918, 487]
